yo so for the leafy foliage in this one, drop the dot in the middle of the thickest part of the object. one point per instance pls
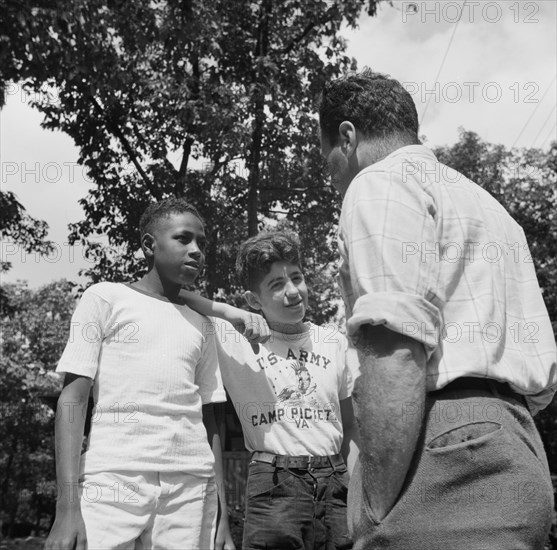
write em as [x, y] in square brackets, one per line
[17, 226]
[35, 328]
[214, 101]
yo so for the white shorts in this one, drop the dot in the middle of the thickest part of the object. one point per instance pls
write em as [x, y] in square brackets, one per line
[148, 510]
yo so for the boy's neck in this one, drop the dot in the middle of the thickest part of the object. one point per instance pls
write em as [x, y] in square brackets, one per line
[152, 283]
[288, 328]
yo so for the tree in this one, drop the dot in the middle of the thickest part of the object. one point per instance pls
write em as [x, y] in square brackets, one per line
[17, 226]
[35, 328]
[147, 90]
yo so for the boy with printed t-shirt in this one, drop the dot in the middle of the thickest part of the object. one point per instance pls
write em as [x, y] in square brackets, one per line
[293, 397]
[147, 478]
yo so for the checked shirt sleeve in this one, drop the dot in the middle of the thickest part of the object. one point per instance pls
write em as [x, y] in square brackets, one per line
[390, 264]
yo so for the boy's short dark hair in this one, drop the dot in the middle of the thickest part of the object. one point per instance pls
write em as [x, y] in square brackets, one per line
[162, 209]
[376, 104]
[258, 253]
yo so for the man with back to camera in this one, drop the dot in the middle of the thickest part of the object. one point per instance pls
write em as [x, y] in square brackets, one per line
[449, 453]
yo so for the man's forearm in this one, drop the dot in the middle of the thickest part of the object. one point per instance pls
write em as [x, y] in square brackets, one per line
[392, 381]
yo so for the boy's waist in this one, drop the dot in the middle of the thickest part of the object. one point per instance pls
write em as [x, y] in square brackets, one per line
[301, 462]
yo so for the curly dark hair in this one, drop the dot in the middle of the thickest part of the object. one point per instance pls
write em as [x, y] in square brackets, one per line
[162, 209]
[257, 254]
[376, 104]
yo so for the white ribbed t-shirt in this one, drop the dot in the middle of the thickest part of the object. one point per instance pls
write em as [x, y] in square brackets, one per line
[153, 364]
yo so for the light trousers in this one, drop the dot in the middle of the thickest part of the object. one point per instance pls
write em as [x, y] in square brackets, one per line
[148, 510]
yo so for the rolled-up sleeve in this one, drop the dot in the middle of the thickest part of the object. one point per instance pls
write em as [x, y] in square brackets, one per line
[391, 256]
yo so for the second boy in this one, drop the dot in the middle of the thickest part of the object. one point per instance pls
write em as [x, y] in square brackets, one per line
[293, 401]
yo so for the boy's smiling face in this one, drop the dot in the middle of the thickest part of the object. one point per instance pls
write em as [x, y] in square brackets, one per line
[178, 248]
[282, 296]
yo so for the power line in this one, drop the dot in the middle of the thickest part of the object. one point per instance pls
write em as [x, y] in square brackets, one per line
[548, 135]
[443, 62]
[543, 126]
[533, 112]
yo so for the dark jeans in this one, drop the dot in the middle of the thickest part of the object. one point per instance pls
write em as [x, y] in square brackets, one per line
[292, 508]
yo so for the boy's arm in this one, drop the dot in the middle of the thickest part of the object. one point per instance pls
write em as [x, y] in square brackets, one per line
[350, 440]
[252, 326]
[68, 531]
[214, 424]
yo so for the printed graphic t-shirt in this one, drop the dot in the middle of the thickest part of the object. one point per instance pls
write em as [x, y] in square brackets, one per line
[287, 396]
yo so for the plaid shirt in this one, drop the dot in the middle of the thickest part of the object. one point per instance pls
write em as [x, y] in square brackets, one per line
[431, 255]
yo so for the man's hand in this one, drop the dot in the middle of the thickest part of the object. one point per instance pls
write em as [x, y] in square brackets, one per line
[223, 539]
[67, 533]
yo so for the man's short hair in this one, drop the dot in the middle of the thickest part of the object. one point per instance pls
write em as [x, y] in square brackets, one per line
[163, 209]
[376, 104]
[258, 253]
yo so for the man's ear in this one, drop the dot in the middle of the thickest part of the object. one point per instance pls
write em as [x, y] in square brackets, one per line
[348, 138]
[252, 299]
[147, 245]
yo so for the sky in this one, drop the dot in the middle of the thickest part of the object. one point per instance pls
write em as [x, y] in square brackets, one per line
[489, 67]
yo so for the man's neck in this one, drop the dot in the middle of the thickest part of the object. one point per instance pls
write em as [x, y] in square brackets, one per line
[375, 150]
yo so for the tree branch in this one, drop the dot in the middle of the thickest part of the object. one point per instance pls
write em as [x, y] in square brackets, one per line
[115, 129]
[309, 27]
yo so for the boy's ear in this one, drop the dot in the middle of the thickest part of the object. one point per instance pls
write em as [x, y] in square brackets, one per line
[252, 299]
[147, 244]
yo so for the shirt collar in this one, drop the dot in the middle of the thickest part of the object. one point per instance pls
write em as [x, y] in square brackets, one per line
[420, 150]
[406, 151]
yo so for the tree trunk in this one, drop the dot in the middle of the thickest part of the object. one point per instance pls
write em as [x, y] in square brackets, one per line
[259, 120]
[210, 271]
[254, 171]
[8, 473]
[180, 187]
[182, 176]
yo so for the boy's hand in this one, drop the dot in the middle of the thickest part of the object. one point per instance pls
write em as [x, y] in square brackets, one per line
[252, 326]
[223, 539]
[67, 533]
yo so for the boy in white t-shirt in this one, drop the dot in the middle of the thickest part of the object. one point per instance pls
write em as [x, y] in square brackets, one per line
[147, 478]
[292, 394]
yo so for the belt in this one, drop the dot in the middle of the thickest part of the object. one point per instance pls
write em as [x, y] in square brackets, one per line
[498, 389]
[300, 462]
